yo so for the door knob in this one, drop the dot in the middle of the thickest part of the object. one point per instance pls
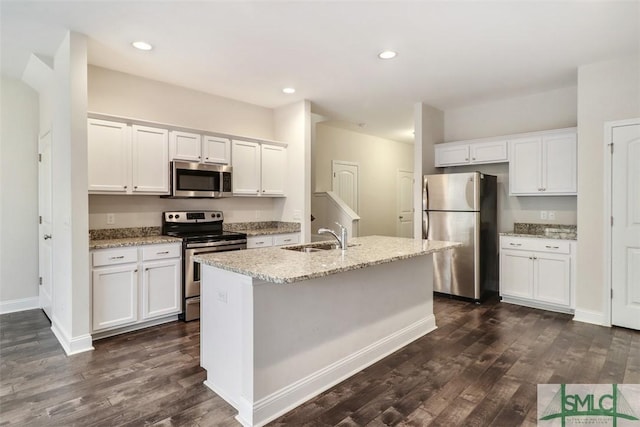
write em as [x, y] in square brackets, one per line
[47, 236]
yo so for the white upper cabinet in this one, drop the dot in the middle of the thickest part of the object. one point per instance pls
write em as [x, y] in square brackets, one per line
[109, 156]
[216, 150]
[543, 165]
[258, 169]
[452, 155]
[489, 152]
[150, 160]
[194, 147]
[470, 153]
[127, 159]
[274, 162]
[246, 168]
[185, 146]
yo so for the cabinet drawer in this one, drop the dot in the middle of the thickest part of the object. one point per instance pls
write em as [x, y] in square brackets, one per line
[259, 242]
[286, 239]
[160, 252]
[536, 244]
[114, 256]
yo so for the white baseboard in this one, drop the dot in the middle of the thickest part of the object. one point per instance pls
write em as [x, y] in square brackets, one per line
[71, 345]
[536, 304]
[282, 401]
[590, 316]
[21, 304]
[135, 327]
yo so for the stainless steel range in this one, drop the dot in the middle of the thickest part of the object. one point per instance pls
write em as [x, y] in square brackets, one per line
[201, 232]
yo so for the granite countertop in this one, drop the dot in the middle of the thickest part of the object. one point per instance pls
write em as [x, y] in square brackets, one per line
[132, 241]
[122, 237]
[262, 228]
[279, 265]
[544, 231]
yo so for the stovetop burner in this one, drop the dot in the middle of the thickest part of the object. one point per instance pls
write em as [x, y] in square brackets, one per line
[197, 226]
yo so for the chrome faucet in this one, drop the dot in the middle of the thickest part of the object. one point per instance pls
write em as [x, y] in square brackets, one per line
[342, 239]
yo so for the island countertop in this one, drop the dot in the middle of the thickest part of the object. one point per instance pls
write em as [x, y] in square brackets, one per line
[279, 265]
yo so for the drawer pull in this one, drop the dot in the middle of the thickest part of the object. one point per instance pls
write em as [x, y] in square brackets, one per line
[117, 257]
[259, 243]
[162, 253]
[552, 247]
[287, 240]
[515, 244]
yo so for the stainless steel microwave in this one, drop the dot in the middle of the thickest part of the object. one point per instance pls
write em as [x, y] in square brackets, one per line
[192, 179]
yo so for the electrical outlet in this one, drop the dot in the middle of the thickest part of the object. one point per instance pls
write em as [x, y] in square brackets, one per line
[111, 219]
[222, 296]
[552, 215]
[543, 214]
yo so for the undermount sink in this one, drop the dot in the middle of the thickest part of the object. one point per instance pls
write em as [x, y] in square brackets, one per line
[313, 247]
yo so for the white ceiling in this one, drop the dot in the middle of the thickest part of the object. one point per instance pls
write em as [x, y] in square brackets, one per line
[450, 53]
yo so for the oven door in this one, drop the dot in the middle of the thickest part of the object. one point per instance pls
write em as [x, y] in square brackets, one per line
[192, 268]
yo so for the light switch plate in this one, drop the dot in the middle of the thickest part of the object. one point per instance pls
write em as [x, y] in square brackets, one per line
[543, 214]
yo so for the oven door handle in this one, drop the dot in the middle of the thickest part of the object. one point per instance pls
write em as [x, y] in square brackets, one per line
[216, 244]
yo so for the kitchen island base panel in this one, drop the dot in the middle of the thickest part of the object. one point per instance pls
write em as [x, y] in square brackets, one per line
[269, 347]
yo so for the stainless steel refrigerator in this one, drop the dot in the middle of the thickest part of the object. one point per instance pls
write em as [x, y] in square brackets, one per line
[462, 207]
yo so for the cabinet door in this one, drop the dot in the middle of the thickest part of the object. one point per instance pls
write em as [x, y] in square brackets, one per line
[216, 150]
[489, 152]
[552, 274]
[559, 164]
[150, 160]
[109, 156]
[274, 166]
[185, 146]
[516, 274]
[246, 168]
[525, 169]
[114, 296]
[451, 155]
[161, 288]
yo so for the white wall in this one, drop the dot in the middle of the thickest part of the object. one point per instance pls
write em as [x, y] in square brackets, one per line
[379, 160]
[70, 246]
[120, 94]
[606, 91]
[429, 130]
[18, 195]
[293, 126]
[553, 109]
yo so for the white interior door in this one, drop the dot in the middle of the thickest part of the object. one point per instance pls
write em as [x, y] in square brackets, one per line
[625, 232]
[345, 182]
[404, 191]
[44, 207]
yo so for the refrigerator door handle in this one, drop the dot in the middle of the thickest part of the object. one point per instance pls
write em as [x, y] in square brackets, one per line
[425, 194]
[425, 225]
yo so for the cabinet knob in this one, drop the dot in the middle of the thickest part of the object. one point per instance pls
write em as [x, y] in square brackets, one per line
[125, 187]
[466, 159]
[473, 158]
[135, 187]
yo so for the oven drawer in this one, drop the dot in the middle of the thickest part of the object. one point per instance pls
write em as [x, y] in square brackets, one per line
[192, 309]
[153, 252]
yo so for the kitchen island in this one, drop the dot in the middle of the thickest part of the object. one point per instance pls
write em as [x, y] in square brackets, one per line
[279, 326]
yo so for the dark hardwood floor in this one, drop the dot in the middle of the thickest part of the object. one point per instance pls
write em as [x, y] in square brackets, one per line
[479, 368]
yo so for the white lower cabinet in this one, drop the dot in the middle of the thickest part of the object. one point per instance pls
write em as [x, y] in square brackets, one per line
[538, 272]
[121, 297]
[115, 296]
[160, 295]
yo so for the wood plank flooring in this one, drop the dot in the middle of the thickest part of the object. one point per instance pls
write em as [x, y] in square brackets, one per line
[479, 368]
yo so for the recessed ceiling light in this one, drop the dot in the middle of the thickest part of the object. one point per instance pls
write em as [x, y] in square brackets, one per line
[142, 45]
[289, 90]
[387, 54]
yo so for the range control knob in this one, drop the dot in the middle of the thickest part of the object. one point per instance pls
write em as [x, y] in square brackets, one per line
[177, 216]
[213, 215]
[170, 216]
[218, 215]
